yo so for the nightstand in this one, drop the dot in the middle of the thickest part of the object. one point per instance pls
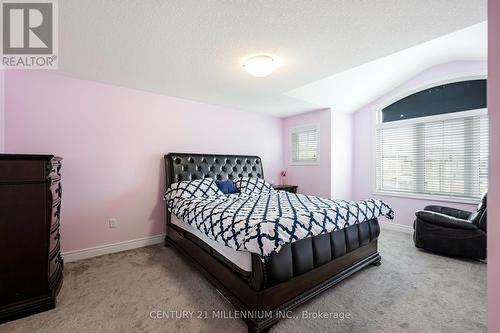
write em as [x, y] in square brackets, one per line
[287, 188]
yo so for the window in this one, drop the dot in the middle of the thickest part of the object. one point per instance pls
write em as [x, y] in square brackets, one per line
[444, 153]
[304, 145]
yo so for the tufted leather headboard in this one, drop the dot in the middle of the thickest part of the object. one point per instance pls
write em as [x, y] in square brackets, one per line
[185, 166]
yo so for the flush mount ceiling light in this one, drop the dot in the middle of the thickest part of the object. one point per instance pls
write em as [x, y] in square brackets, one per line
[261, 65]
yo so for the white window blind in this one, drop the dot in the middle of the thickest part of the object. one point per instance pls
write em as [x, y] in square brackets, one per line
[438, 155]
[304, 145]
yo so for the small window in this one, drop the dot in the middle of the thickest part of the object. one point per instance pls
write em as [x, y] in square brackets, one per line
[304, 145]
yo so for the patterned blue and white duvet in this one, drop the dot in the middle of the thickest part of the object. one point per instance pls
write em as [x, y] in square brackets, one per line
[262, 223]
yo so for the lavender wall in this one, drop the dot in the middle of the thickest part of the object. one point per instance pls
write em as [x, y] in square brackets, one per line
[113, 140]
[341, 158]
[363, 182]
[2, 121]
[494, 181]
[311, 179]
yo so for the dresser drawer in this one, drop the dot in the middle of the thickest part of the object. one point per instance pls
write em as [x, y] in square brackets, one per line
[22, 171]
[55, 265]
[55, 236]
[56, 192]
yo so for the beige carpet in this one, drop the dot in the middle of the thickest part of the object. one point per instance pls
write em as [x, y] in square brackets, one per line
[412, 291]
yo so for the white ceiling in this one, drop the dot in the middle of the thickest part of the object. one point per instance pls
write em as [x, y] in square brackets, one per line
[350, 90]
[193, 49]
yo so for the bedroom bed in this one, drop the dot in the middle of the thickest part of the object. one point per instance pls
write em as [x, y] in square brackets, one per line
[264, 287]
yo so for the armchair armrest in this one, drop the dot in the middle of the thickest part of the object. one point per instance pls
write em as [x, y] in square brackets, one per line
[457, 213]
[482, 222]
[444, 220]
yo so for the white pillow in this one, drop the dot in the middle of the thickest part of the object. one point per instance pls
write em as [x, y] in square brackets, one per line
[190, 189]
[253, 185]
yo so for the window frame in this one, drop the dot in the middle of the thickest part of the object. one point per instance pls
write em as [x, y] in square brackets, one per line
[415, 195]
[302, 128]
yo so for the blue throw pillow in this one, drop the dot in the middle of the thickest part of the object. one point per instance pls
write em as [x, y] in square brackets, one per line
[226, 186]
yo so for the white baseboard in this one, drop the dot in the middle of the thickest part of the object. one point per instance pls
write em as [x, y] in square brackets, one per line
[112, 248]
[396, 227]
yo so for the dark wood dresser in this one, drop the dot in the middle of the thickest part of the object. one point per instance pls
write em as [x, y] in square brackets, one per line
[30, 261]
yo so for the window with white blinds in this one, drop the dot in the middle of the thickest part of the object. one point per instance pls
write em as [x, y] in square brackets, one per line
[304, 145]
[443, 155]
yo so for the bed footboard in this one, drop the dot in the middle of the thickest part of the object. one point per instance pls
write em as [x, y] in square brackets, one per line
[307, 254]
[285, 280]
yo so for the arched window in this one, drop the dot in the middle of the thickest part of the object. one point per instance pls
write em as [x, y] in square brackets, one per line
[435, 142]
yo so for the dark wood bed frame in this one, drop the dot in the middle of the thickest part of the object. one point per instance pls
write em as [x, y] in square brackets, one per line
[283, 281]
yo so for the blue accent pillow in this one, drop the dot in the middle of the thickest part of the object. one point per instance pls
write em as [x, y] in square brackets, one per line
[226, 186]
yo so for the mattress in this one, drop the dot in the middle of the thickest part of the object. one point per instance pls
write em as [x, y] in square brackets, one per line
[263, 222]
[242, 259]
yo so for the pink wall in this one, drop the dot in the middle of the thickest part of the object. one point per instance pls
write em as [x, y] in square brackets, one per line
[341, 159]
[311, 179]
[363, 182]
[113, 140]
[2, 122]
[494, 181]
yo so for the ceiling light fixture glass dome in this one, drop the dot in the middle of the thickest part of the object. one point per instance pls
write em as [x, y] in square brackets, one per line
[261, 65]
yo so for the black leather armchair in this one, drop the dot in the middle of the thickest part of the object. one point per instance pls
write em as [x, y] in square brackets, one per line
[452, 231]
